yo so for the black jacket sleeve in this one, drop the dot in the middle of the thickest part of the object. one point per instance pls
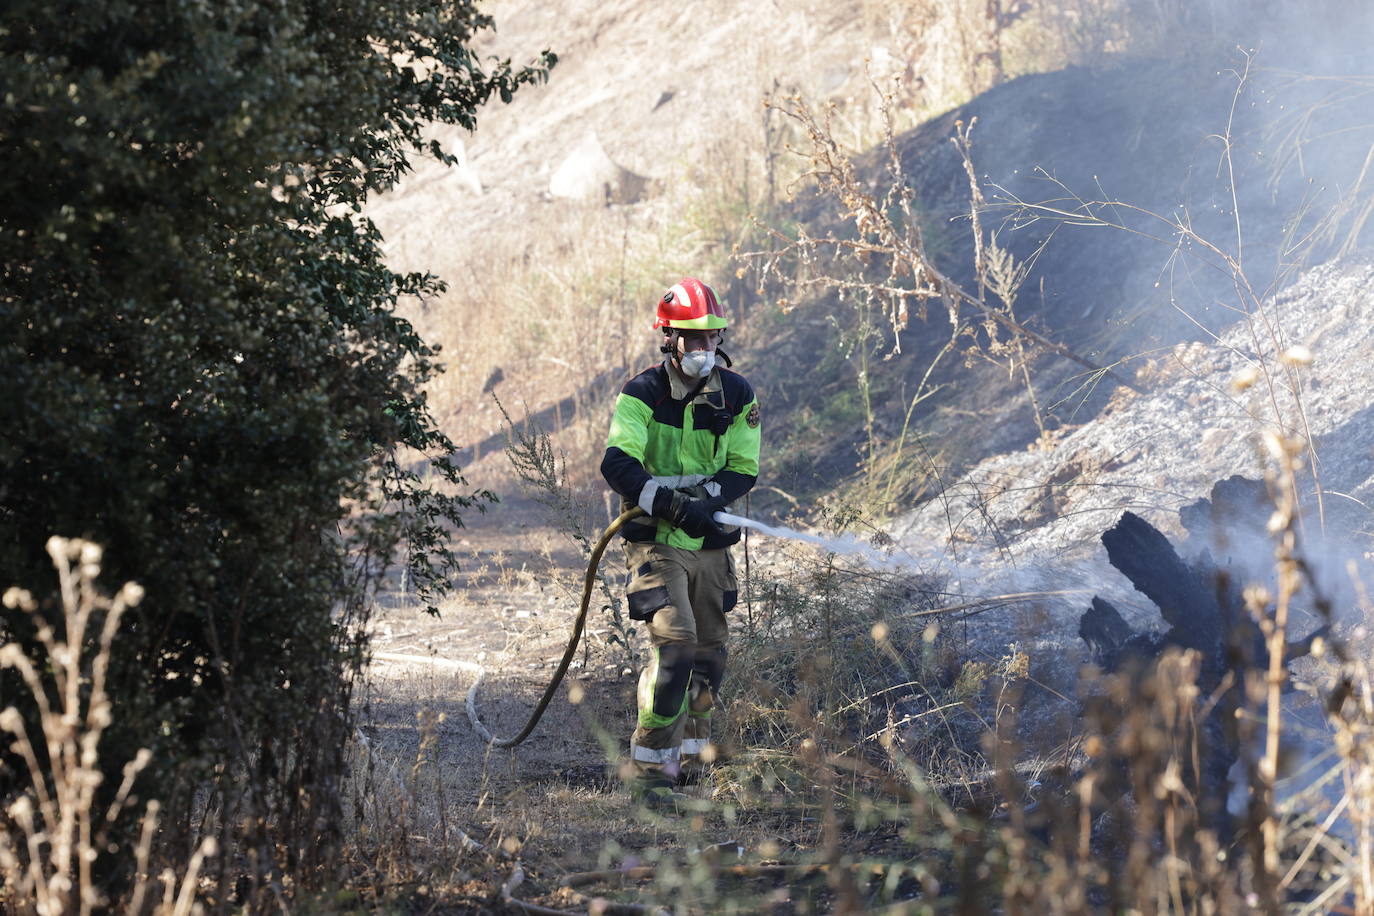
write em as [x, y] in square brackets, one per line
[624, 473]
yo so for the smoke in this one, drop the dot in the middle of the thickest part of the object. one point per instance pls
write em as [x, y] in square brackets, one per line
[1248, 124]
[1329, 36]
[1332, 568]
[963, 576]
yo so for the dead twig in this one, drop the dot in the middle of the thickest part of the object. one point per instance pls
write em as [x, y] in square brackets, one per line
[641, 872]
[899, 244]
[517, 877]
[989, 602]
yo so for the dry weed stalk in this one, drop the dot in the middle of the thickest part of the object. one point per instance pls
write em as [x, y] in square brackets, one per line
[883, 265]
[1337, 227]
[1274, 360]
[1350, 708]
[887, 234]
[54, 833]
[1287, 455]
[1130, 816]
[543, 472]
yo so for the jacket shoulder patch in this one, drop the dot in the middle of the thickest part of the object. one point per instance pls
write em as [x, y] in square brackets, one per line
[753, 418]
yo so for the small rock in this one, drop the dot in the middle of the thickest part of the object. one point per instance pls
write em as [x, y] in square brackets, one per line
[589, 174]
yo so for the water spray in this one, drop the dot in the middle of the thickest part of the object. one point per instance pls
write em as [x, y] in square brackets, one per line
[847, 544]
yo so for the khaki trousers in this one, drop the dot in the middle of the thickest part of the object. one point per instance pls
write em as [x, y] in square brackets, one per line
[684, 596]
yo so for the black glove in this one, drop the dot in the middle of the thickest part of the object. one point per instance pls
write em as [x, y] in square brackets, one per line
[696, 519]
[693, 516]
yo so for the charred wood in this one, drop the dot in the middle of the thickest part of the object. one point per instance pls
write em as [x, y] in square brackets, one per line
[1105, 632]
[1111, 641]
[1203, 605]
[1237, 504]
[1184, 598]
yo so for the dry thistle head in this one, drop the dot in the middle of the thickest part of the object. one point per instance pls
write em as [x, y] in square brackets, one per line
[19, 599]
[1279, 446]
[22, 811]
[1298, 355]
[56, 548]
[1257, 598]
[10, 657]
[1244, 379]
[1015, 665]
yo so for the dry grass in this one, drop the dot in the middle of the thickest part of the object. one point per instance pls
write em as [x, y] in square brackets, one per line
[876, 763]
[555, 310]
[886, 766]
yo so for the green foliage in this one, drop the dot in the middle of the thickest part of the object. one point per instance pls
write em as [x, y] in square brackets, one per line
[203, 368]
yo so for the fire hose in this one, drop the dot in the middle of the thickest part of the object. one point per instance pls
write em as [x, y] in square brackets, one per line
[593, 564]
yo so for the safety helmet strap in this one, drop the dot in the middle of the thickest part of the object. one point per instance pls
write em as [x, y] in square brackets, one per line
[669, 346]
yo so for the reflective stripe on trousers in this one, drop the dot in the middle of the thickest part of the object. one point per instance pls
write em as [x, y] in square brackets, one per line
[656, 755]
[692, 747]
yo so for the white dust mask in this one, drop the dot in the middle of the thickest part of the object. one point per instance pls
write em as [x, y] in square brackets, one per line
[698, 363]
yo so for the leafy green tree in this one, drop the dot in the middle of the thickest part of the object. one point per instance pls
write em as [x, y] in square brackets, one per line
[201, 363]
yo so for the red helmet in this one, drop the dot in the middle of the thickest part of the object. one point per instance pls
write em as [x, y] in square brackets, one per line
[690, 305]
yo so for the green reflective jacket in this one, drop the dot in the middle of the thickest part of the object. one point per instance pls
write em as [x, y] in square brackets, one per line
[663, 435]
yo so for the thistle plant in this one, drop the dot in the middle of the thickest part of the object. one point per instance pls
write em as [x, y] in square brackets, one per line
[543, 472]
[54, 834]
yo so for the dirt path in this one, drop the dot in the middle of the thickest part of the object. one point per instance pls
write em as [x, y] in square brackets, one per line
[517, 597]
[512, 614]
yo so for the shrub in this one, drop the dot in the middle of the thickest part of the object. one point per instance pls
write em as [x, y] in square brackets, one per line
[203, 366]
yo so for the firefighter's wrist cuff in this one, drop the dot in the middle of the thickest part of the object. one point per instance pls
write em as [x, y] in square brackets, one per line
[646, 496]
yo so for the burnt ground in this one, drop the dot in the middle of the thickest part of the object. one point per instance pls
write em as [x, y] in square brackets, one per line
[512, 614]
[1141, 144]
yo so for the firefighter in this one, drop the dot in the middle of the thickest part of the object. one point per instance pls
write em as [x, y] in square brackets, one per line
[684, 444]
